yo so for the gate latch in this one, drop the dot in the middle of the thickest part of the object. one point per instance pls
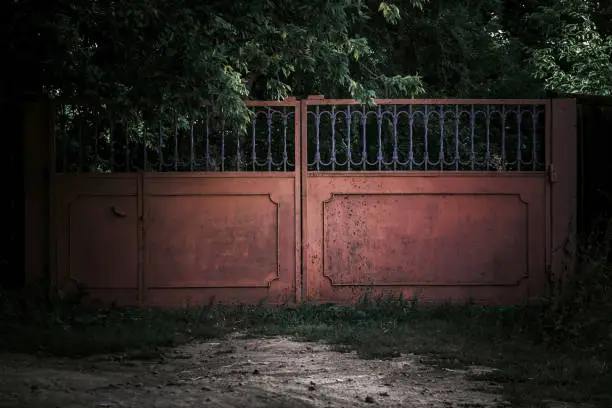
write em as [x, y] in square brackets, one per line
[552, 173]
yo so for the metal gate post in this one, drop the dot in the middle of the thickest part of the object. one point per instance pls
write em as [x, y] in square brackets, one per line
[140, 238]
[564, 167]
[302, 146]
[37, 160]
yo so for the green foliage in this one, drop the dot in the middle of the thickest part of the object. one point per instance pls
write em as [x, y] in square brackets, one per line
[390, 12]
[576, 57]
[150, 54]
[460, 48]
[581, 316]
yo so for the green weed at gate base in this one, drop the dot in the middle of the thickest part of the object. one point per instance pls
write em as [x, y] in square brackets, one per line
[560, 348]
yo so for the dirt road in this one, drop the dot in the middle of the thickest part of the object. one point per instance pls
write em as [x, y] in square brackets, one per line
[239, 372]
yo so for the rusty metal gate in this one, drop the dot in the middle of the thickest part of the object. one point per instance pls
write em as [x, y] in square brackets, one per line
[319, 200]
[431, 199]
[180, 210]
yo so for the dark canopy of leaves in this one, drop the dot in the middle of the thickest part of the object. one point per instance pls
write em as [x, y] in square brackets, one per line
[148, 54]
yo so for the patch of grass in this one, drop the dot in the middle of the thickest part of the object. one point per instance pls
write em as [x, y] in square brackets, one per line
[77, 333]
[451, 336]
[559, 349]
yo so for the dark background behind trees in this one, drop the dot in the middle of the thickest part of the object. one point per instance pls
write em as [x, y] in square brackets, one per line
[152, 53]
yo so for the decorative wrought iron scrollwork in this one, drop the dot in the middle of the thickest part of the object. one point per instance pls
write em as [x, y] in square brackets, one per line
[491, 137]
[93, 141]
[426, 137]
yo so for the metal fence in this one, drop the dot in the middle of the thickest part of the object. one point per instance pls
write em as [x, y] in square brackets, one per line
[384, 137]
[318, 210]
[426, 137]
[93, 141]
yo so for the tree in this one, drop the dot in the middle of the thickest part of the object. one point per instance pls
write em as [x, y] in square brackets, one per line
[146, 54]
[567, 43]
[459, 47]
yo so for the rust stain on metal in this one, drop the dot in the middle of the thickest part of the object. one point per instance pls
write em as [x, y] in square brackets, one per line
[456, 233]
[212, 241]
[399, 239]
[290, 227]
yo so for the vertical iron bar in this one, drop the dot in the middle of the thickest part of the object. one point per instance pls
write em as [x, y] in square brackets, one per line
[238, 155]
[176, 154]
[380, 153]
[503, 146]
[395, 141]
[364, 153]
[160, 147]
[333, 138]
[127, 146]
[426, 120]
[441, 152]
[223, 146]
[348, 133]
[534, 120]
[191, 149]
[411, 144]
[473, 124]
[96, 136]
[318, 141]
[285, 156]
[519, 156]
[457, 158]
[145, 152]
[81, 149]
[488, 127]
[269, 139]
[207, 142]
[112, 144]
[253, 144]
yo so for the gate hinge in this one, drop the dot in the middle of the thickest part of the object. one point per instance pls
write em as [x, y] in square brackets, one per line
[552, 173]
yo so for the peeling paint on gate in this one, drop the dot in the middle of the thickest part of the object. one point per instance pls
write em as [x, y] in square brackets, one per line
[461, 233]
[397, 239]
[219, 233]
[319, 228]
[441, 226]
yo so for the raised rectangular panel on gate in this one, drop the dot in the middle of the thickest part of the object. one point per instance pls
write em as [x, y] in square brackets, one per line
[425, 239]
[103, 241]
[440, 199]
[214, 210]
[212, 240]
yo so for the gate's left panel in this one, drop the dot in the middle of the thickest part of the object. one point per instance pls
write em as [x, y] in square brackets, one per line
[96, 230]
[166, 208]
[221, 209]
[95, 205]
[212, 238]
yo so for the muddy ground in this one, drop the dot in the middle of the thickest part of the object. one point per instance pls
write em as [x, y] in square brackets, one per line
[240, 372]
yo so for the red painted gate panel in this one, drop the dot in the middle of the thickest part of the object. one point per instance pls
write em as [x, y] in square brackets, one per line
[96, 236]
[196, 214]
[437, 237]
[323, 201]
[426, 199]
[210, 239]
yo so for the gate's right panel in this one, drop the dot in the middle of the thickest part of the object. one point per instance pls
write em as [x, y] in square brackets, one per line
[439, 200]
